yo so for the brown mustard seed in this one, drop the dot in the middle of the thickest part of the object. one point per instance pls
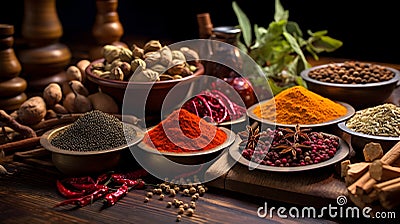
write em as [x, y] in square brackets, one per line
[178, 218]
[161, 197]
[192, 204]
[169, 204]
[181, 211]
[146, 199]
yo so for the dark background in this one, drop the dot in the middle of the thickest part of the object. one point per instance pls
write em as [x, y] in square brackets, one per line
[367, 28]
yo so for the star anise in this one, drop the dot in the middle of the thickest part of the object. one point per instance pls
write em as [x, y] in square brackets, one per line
[250, 137]
[297, 133]
[290, 147]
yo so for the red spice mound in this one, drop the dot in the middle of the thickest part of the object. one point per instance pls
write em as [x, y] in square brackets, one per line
[183, 131]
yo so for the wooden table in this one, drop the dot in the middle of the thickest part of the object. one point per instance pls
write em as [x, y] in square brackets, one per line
[28, 196]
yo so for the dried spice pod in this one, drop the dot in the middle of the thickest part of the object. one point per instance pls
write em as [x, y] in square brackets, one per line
[152, 45]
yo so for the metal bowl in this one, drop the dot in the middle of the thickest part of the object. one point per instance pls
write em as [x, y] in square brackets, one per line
[88, 162]
[358, 95]
[359, 140]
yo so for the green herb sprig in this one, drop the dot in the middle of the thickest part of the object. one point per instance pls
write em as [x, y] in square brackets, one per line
[280, 49]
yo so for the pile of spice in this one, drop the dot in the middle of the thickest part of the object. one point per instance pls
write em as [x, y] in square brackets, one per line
[381, 120]
[285, 147]
[352, 72]
[214, 106]
[94, 131]
[183, 131]
[298, 105]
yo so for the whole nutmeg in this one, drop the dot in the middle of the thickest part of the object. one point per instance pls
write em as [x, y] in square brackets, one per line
[32, 111]
[152, 45]
[73, 73]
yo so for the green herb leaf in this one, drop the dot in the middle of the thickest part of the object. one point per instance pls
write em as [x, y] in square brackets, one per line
[244, 24]
[280, 13]
[293, 43]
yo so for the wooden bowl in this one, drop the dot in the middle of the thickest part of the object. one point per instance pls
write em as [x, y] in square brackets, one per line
[357, 95]
[76, 163]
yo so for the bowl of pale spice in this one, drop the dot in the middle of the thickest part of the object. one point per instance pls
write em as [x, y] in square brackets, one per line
[91, 145]
[378, 124]
[299, 106]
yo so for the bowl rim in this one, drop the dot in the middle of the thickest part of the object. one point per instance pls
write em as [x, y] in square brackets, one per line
[123, 84]
[350, 112]
[45, 141]
[229, 140]
[304, 75]
[343, 127]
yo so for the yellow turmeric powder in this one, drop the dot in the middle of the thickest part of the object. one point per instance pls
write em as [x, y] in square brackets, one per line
[298, 105]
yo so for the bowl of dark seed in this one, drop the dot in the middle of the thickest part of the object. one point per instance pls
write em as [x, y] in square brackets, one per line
[91, 145]
[378, 124]
[359, 84]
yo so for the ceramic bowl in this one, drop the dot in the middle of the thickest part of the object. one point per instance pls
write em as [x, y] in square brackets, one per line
[359, 140]
[77, 163]
[360, 96]
[155, 98]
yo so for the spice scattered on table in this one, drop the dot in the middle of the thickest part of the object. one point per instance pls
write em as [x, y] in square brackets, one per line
[214, 106]
[191, 191]
[94, 131]
[352, 72]
[298, 105]
[381, 120]
[285, 147]
[183, 131]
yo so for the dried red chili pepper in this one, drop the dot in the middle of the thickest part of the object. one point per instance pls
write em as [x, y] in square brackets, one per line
[137, 184]
[102, 178]
[69, 193]
[87, 199]
[112, 198]
[79, 180]
[132, 175]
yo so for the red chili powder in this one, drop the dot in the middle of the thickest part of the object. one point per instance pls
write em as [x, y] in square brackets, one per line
[183, 131]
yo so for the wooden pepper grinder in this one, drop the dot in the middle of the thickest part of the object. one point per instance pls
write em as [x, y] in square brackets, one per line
[107, 28]
[12, 86]
[43, 58]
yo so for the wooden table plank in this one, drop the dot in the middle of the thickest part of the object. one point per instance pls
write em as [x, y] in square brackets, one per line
[29, 195]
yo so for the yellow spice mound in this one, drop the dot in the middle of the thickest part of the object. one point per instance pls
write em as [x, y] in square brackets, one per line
[298, 105]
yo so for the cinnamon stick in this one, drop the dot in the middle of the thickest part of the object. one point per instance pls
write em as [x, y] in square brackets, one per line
[365, 188]
[19, 145]
[389, 195]
[383, 172]
[392, 155]
[383, 184]
[355, 171]
[344, 167]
